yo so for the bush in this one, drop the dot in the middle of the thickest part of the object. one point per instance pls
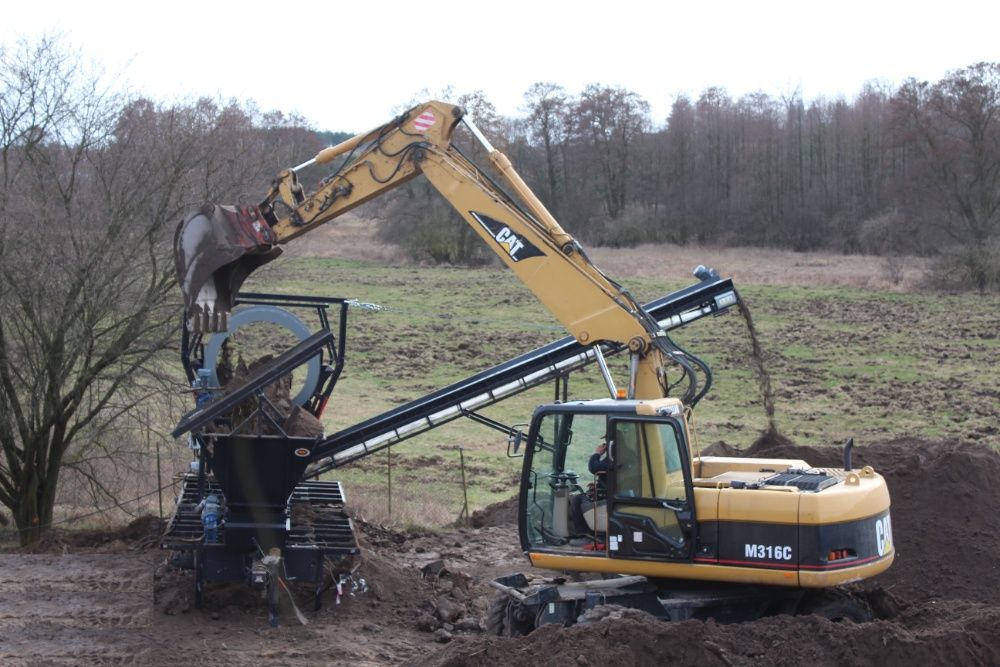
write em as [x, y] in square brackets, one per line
[635, 226]
[968, 267]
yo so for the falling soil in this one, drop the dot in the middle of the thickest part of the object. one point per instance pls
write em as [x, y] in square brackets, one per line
[759, 366]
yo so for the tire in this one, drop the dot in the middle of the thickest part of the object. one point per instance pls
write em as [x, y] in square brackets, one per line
[839, 607]
[496, 615]
[502, 608]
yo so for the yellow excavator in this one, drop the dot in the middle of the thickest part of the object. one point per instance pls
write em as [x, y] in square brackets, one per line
[660, 527]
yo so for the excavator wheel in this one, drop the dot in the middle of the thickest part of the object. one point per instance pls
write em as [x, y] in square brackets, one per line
[837, 606]
[504, 617]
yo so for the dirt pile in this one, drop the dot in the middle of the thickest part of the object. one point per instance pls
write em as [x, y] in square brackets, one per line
[140, 534]
[503, 513]
[965, 634]
[298, 422]
[936, 604]
[437, 593]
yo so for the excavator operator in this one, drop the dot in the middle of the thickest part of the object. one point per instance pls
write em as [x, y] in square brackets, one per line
[582, 503]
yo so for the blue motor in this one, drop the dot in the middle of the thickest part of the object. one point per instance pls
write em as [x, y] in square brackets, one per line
[203, 387]
[210, 512]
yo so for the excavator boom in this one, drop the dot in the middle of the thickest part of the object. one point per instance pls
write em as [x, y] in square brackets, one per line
[219, 246]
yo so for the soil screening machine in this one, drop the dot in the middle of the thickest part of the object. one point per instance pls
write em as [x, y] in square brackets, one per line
[244, 512]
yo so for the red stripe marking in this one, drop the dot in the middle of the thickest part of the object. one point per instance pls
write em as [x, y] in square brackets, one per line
[836, 566]
[322, 406]
[744, 562]
[843, 566]
[424, 121]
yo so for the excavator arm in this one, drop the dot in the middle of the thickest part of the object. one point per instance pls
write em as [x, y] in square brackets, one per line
[218, 247]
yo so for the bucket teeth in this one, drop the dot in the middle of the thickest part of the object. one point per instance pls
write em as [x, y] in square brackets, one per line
[194, 319]
[202, 319]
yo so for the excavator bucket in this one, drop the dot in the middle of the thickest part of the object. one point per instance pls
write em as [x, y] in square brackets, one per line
[215, 249]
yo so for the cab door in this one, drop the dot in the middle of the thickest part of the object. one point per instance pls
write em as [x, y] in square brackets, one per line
[650, 496]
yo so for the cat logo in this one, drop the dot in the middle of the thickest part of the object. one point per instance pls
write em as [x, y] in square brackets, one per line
[516, 247]
[883, 535]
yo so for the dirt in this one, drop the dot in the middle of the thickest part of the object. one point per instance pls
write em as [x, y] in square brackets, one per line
[298, 422]
[141, 534]
[503, 513]
[427, 593]
[963, 634]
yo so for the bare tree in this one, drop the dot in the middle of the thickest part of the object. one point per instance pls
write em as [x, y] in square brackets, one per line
[954, 126]
[83, 287]
[949, 136]
[609, 119]
[547, 105]
[92, 186]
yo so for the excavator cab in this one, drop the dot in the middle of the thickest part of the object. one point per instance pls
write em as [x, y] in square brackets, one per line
[634, 501]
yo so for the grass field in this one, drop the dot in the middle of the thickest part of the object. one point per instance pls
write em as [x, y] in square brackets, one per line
[846, 360]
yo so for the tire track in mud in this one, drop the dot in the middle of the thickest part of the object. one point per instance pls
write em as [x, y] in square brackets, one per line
[93, 609]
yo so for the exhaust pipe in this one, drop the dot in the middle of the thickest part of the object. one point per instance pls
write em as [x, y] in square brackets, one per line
[848, 446]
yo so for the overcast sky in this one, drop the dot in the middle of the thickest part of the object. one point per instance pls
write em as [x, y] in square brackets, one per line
[347, 65]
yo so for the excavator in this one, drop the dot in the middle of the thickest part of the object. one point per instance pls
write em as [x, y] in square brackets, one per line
[659, 527]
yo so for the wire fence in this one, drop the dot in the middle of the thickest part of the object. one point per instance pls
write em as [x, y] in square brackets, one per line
[406, 489]
[399, 487]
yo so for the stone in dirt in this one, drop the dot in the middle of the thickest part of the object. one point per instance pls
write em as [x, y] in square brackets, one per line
[448, 610]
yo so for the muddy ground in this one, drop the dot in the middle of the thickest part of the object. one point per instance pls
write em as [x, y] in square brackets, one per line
[90, 600]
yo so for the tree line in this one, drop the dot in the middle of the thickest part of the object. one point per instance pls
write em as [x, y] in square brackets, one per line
[913, 169]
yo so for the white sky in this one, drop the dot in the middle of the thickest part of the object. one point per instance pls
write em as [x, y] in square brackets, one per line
[348, 65]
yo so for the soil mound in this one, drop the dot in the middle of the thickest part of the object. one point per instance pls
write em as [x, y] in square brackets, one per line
[298, 422]
[503, 513]
[965, 634]
[140, 534]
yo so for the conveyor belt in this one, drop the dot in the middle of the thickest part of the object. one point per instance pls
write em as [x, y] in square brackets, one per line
[505, 380]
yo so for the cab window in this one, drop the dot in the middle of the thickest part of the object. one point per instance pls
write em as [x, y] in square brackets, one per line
[648, 461]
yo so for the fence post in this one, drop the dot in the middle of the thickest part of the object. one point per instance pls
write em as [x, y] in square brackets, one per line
[465, 493]
[388, 476]
[159, 478]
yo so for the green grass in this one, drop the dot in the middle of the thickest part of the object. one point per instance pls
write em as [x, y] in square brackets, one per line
[844, 362]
